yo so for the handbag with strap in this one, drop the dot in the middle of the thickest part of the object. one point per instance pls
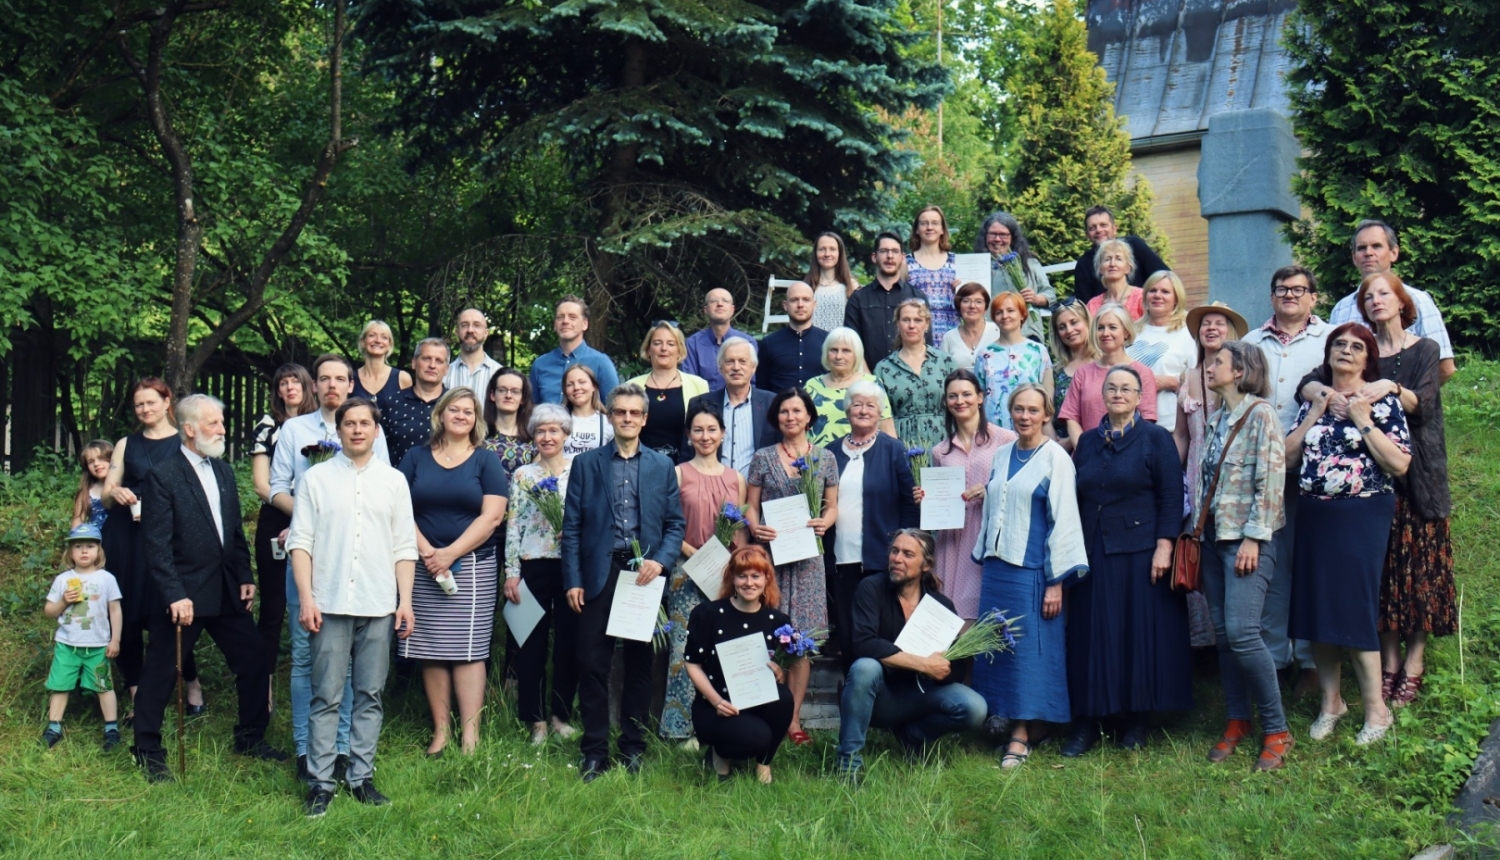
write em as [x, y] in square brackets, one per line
[1187, 553]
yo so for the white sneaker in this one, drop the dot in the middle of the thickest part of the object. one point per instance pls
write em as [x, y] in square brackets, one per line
[1323, 726]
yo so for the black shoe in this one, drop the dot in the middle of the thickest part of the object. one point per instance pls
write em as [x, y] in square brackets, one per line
[1135, 735]
[341, 769]
[111, 739]
[261, 750]
[317, 802]
[154, 762]
[51, 736]
[1081, 739]
[303, 775]
[634, 762]
[592, 769]
[190, 711]
[367, 794]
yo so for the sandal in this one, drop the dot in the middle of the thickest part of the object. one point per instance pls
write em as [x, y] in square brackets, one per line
[1273, 751]
[1323, 726]
[1406, 691]
[1010, 759]
[1236, 731]
[1388, 682]
[799, 737]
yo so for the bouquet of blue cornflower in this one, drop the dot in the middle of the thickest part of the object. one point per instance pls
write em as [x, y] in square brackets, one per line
[317, 452]
[921, 458]
[994, 633]
[549, 500]
[664, 628]
[1010, 263]
[812, 487]
[793, 644]
[730, 519]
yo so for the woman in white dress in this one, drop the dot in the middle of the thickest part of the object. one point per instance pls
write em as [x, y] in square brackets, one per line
[1163, 342]
[831, 279]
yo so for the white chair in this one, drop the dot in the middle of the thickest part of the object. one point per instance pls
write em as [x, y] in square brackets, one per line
[768, 318]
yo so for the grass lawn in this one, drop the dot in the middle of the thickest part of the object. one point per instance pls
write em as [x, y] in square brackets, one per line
[511, 800]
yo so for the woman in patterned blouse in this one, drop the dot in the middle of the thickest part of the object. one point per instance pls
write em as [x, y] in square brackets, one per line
[507, 415]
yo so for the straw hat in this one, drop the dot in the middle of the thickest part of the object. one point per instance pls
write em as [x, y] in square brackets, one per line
[1195, 317]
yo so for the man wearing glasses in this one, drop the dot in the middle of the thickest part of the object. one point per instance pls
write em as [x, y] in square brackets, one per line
[1292, 340]
[474, 366]
[619, 495]
[1099, 224]
[871, 311]
[703, 346]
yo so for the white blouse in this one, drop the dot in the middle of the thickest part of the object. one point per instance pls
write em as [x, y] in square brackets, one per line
[1167, 353]
[953, 344]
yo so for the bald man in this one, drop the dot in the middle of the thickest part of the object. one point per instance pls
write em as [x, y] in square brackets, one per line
[703, 346]
[474, 367]
[793, 354]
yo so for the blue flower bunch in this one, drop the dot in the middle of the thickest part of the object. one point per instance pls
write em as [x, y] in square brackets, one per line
[317, 452]
[730, 519]
[793, 644]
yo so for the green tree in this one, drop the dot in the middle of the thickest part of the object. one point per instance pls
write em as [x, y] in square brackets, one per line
[1061, 147]
[707, 140]
[1395, 106]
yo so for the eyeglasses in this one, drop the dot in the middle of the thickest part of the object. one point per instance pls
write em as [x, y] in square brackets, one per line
[668, 323]
[627, 413]
[1294, 292]
[997, 234]
[888, 252]
[1115, 389]
[1065, 303]
[508, 392]
[1342, 345]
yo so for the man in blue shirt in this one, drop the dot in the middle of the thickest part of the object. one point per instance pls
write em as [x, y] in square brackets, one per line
[703, 346]
[792, 355]
[570, 321]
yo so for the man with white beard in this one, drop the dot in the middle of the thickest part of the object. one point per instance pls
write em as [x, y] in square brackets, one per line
[199, 563]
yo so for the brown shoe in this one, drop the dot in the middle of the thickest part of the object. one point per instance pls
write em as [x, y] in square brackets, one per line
[1236, 731]
[1273, 751]
[1307, 684]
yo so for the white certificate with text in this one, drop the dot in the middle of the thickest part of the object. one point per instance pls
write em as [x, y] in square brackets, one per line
[632, 615]
[930, 630]
[794, 539]
[706, 568]
[521, 618]
[972, 267]
[942, 498]
[746, 673]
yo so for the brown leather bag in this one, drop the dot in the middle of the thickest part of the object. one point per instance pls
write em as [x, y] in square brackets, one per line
[1187, 554]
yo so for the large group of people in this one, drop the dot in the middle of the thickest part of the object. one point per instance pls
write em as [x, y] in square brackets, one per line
[401, 509]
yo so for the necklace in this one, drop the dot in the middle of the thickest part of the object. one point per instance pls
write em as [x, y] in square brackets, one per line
[855, 444]
[662, 389]
[447, 457]
[1026, 458]
[790, 456]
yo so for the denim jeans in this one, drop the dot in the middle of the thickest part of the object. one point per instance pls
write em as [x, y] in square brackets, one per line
[347, 651]
[302, 676]
[1236, 604]
[915, 715]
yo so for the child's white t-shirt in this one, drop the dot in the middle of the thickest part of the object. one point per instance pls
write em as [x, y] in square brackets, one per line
[85, 624]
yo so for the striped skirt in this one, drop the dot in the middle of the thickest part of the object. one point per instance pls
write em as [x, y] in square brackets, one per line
[454, 627]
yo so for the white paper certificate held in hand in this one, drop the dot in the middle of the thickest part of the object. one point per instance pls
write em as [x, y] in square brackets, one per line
[972, 267]
[706, 568]
[794, 541]
[942, 498]
[930, 630]
[632, 615]
[746, 671]
[521, 618]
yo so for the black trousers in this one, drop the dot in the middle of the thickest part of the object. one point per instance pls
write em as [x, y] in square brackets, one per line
[133, 655]
[543, 576]
[235, 635]
[595, 651]
[755, 733]
[270, 574]
[846, 578]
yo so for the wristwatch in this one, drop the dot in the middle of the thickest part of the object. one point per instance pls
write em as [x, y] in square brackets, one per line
[1365, 431]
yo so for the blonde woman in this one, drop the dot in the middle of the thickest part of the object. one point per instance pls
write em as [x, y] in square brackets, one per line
[591, 429]
[1164, 343]
[668, 389]
[1084, 407]
[1072, 349]
[913, 377]
[375, 379]
[1114, 263]
[843, 358]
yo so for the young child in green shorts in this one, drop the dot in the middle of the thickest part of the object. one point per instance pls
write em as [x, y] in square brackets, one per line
[86, 603]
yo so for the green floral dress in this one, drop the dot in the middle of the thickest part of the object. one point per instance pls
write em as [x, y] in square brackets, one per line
[830, 421]
[916, 398]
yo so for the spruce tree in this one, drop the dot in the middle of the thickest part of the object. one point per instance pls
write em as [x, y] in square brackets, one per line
[710, 139]
[1395, 105]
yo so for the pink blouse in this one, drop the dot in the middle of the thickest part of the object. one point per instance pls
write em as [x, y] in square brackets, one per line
[956, 568]
[1135, 303]
[1084, 402]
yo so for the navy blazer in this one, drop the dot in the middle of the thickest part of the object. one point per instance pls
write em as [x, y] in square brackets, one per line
[1129, 491]
[766, 431]
[589, 524]
[888, 502]
[183, 553]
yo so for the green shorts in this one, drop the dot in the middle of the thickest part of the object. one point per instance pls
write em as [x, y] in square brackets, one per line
[73, 666]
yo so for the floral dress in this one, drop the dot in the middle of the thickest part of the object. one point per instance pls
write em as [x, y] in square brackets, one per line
[513, 453]
[916, 398]
[937, 286]
[1335, 461]
[804, 592]
[830, 418]
[1004, 367]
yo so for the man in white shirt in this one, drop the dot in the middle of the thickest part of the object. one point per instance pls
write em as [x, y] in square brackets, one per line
[333, 377]
[1375, 251]
[474, 367]
[354, 550]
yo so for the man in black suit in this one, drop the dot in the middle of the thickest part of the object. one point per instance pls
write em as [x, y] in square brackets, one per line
[742, 407]
[1099, 223]
[200, 567]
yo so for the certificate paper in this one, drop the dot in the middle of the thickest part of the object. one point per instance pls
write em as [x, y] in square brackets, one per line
[632, 615]
[972, 267]
[930, 630]
[794, 540]
[942, 498]
[706, 568]
[521, 618]
[749, 679]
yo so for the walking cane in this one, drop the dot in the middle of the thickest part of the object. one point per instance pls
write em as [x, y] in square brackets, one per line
[181, 749]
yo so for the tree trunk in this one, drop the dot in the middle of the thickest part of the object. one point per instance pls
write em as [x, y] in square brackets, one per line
[607, 286]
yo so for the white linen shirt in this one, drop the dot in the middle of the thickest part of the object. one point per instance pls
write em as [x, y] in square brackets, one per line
[1429, 322]
[1287, 363]
[478, 381]
[1006, 520]
[356, 524]
[288, 464]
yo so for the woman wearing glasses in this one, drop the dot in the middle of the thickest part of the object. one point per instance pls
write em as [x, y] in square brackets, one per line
[1128, 652]
[668, 389]
[1347, 484]
[930, 269]
[975, 331]
[1001, 236]
[507, 415]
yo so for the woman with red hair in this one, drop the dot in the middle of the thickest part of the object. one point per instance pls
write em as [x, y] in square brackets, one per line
[1011, 361]
[746, 607]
